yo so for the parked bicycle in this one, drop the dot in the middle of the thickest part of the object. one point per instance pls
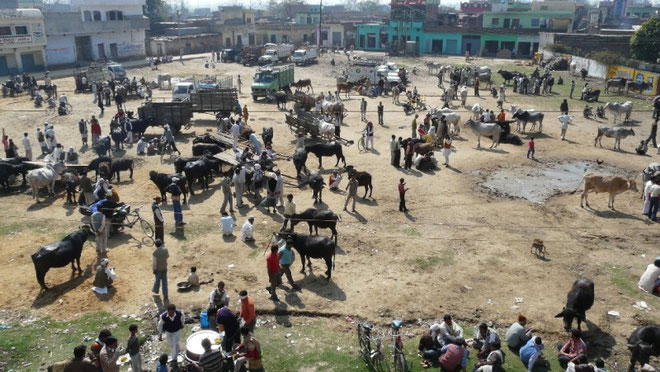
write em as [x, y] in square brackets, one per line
[133, 218]
[398, 356]
[371, 348]
[362, 141]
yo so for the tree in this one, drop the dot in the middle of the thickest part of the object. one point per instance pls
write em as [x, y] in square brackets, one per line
[645, 43]
[156, 11]
[368, 6]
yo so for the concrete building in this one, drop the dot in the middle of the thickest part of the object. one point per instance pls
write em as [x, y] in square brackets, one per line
[285, 33]
[188, 44]
[96, 30]
[22, 4]
[236, 26]
[22, 41]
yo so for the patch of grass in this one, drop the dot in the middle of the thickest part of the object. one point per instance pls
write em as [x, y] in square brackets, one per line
[38, 226]
[626, 282]
[411, 231]
[193, 231]
[431, 262]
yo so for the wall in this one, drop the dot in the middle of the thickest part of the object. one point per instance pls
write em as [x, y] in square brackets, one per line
[60, 50]
[129, 44]
[638, 75]
[448, 42]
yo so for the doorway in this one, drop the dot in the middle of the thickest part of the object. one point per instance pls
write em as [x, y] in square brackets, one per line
[4, 67]
[28, 62]
[113, 51]
[100, 49]
[436, 46]
[84, 48]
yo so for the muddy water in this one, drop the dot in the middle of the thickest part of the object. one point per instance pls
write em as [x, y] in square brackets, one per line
[539, 182]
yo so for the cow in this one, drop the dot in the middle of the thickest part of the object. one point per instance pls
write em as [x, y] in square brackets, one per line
[199, 149]
[121, 165]
[618, 108]
[485, 129]
[524, 117]
[312, 247]
[637, 85]
[643, 343]
[60, 254]
[507, 75]
[281, 98]
[299, 159]
[346, 88]
[363, 178]
[140, 126]
[162, 180]
[332, 108]
[617, 133]
[94, 164]
[181, 162]
[613, 185]
[303, 83]
[201, 170]
[326, 130]
[422, 148]
[316, 183]
[477, 110]
[316, 218]
[579, 299]
[452, 118]
[327, 149]
[619, 83]
[7, 170]
[45, 176]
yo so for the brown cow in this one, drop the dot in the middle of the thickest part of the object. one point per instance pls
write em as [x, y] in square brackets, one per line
[423, 147]
[347, 87]
[613, 185]
[303, 83]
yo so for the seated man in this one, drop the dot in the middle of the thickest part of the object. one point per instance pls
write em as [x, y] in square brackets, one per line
[427, 162]
[482, 340]
[574, 348]
[103, 278]
[494, 361]
[454, 356]
[530, 353]
[517, 335]
[449, 331]
[650, 279]
[642, 148]
[428, 350]
[334, 181]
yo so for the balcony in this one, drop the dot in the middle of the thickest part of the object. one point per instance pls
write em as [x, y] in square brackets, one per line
[71, 23]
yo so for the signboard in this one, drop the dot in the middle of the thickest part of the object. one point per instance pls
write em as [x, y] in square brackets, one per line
[38, 32]
[637, 75]
[4, 40]
[130, 49]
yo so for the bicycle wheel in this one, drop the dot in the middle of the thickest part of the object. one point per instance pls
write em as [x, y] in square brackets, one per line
[380, 364]
[146, 228]
[400, 364]
[69, 108]
[361, 144]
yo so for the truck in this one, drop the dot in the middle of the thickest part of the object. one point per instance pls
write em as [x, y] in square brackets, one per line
[231, 55]
[116, 71]
[184, 87]
[373, 71]
[306, 56]
[250, 55]
[221, 101]
[276, 53]
[176, 114]
[270, 79]
[94, 73]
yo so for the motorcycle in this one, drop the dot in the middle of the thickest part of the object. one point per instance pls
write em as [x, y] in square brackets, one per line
[38, 100]
[587, 112]
[117, 215]
[408, 108]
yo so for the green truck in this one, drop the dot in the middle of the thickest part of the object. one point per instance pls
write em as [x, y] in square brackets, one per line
[269, 79]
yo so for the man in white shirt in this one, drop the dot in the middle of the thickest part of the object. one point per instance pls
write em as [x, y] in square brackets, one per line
[650, 280]
[654, 193]
[564, 120]
[235, 132]
[449, 331]
[228, 225]
[279, 189]
[247, 231]
[27, 146]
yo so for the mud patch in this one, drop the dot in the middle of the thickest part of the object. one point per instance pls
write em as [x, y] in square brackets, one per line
[540, 182]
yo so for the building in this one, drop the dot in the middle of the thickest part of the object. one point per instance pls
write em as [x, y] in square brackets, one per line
[93, 30]
[279, 32]
[173, 45]
[22, 41]
[236, 26]
[21, 4]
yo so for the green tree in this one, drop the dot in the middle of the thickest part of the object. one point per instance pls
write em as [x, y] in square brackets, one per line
[156, 11]
[645, 43]
[367, 6]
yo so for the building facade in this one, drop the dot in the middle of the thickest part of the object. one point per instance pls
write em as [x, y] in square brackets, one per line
[96, 30]
[22, 41]
[236, 25]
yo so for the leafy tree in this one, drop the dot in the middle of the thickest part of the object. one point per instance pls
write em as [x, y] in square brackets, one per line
[645, 43]
[156, 11]
[367, 6]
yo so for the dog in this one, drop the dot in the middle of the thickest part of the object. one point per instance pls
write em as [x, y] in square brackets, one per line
[538, 249]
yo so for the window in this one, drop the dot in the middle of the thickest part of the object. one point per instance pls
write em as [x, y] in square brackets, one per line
[5, 31]
[248, 20]
[21, 30]
[97, 16]
[515, 23]
[495, 21]
[114, 15]
[535, 22]
[87, 15]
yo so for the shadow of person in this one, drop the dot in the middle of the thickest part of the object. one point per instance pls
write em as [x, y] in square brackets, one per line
[228, 239]
[108, 296]
[291, 298]
[282, 314]
[600, 342]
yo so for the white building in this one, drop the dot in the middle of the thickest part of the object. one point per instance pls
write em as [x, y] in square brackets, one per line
[22, 41]
[96, 30]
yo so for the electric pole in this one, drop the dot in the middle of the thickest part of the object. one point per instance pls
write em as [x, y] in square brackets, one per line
[320, 24]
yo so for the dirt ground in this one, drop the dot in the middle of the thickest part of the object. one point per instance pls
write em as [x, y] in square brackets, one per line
[461, 249]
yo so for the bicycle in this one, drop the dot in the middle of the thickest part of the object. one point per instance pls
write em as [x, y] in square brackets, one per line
[362, 142]
[374, 357]
[133, 218]
[398, 356]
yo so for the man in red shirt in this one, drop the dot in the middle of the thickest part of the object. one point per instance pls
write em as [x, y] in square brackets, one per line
[95, 128]
[248, 314]
[273, 265]
[530, 149]
[402, 195]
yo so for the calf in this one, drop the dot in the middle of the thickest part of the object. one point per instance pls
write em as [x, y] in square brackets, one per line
[94, 164]
[643, 343]
[121, 165]
[199, 149]
[363, 178]
[613, 185]
[579, 299]
[312, 247]
[60, 254]
[162, 180]
[316, 218]
[327, 149]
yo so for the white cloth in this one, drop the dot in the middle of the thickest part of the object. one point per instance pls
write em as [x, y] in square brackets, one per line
[247, 231]
[564, 120]
[227, 225]
[648, 278]
[453, 330]
[173, 340]
[26, 143]
[646, 207]
[654, 191]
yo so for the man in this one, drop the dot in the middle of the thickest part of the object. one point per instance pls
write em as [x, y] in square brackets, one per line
[239, 83]
[109, 355]
[476, 87]
[169, 138]
[352, 188]
[219, 297]
[334, 180]
[255, 143]
[235, 132]
[446, 148]
[79, 363]
[27, 146]
[50, 137]
[228, 323]
[247, 230]
[252, 351]
[171, 323]
[572, 89]
[273, 267]
[133, 348]
[564, 120]
[414, 126]
[101, 228]
[289, 210]
[227, 224]
[650, 279]
[410, 152]
[449, 331]
[210, 360]
[563, 107]
[574, 348]
[97, 346]
[484, 337]
[654, 194]
[363, 110]
[159, 267]
[402, 195]
[285, 255]
[176, 192]
[381, 86]
[454, 356]
[339, 116]
[225, 184]
[128, 128]
[141, 146]
[530, 353]
[530, 148]
[381, 109]
[82, 129]
[96, 130]
[517, 335]
[394, 147]
[501, 117]
[248, 313]
[239, 185]
[158, 220]
[369, 136]
[279, 189]
[42, 142]
[103, 278]
[653, 134]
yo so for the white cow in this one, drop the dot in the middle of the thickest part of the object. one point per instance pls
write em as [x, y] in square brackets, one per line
[453, 118]
[485, 129]
[326, 130]
[45, 176]
[464, 94]
[618, 108]
[477, 110]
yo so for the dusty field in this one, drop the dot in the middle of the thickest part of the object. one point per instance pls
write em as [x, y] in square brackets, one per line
[462, 249]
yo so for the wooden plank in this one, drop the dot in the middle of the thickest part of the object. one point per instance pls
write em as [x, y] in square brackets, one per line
[227, 157]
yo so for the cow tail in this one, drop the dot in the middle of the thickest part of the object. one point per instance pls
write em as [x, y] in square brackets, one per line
[578, 187]
[334, 253]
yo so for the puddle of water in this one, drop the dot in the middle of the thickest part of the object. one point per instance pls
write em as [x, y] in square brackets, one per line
[538, 183]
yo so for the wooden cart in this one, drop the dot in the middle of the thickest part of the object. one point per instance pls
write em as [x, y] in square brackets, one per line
[305, 123]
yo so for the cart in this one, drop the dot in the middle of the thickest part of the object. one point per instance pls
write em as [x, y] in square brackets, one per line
[303, 101]
[305, 122]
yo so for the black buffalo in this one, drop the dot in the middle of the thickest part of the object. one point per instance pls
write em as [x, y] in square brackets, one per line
[363, 178]
[207, 138]
[121, 165]
[162, 180]
[103, 146]
[579, 299]
[199, 149]
[327, 149]
[312, 247]
[316, 218]
[181, 162]
[14, 167]
[316, 183]
[507, 75]
[140, 126]
[267, 136]
[95, 164]
[299, 160]
[201, 170]
[60, 254]
[643, 343]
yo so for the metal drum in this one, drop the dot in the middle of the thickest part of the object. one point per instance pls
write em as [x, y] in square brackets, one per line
[194, 347]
